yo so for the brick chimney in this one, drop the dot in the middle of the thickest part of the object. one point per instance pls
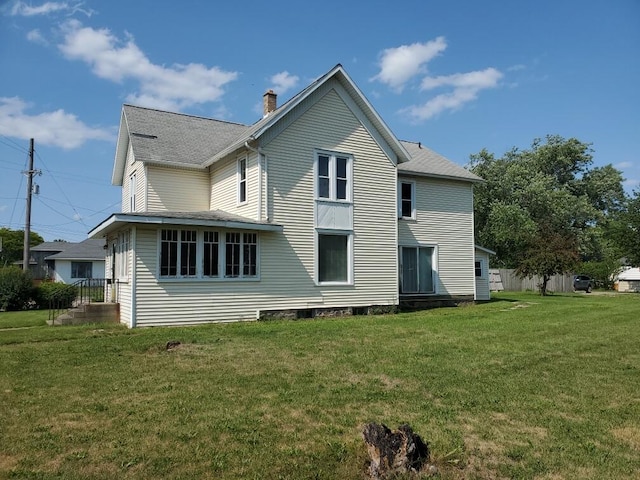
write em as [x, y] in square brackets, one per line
[269, 103]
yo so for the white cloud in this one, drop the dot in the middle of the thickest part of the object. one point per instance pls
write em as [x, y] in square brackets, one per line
[631, 182]
[56, 128]
[174, 87]
[36, 37]
[24, 10]
[283, 82]
[477, 80]
[623, 165]
[466, 87]
[398, 65]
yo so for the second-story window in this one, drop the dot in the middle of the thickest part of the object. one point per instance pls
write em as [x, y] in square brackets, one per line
[334, 176]
[406, 200]
[242, 180]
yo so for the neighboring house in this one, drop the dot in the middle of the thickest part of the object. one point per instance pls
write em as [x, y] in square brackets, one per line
[629, 280]
[78, 261]
[39, 267]
[66, 261]
[315, 209]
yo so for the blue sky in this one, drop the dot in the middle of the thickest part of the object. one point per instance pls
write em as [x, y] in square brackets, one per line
[456, 75]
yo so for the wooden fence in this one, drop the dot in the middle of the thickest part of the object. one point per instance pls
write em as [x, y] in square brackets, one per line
[506, 279]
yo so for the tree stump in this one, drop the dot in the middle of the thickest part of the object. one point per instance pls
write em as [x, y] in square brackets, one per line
[394, 452]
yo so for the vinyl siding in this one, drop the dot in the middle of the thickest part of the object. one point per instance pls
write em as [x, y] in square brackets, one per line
[120, 291]
[132, 167]
[224, 190]
[177, 190]
[444, 217]
[482, 283]
[287, 259]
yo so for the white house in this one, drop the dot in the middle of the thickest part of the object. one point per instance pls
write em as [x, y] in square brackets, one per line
[629, 280]
[78, 261]
[317, 208]
[68, 262]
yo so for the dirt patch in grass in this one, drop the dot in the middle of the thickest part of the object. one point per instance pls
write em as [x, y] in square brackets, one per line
[629, 435]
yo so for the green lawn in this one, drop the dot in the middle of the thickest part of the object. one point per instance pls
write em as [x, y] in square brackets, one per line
[522, 387]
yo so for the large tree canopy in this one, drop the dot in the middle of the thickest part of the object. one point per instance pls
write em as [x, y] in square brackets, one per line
[539, 208]
[13, 245]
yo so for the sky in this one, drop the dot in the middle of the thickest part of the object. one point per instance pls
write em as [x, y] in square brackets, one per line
[456, 75]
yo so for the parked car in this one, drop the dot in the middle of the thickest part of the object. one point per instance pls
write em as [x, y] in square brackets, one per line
[583, 282]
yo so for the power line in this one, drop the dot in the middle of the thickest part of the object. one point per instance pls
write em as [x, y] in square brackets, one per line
[63, 192]
[13, 144]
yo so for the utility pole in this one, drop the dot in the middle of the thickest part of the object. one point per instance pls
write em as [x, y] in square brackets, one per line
[27, 226]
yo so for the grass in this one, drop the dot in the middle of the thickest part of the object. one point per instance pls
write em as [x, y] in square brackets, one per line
[521, 387]
[30, 318]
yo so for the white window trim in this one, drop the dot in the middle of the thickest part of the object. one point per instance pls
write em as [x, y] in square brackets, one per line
[482, 268]
[413, 199]
[332, 176]
[121, 262]
[349, 235]
[434, 263]
[241, 181]
[199, 276]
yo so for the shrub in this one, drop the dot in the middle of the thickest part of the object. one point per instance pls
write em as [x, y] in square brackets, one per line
[59, 294]
[16, 288]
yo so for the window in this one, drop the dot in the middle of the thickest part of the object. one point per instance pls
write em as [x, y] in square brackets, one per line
[211, 254]
[242, 180]
[232, 265]
[417, 270]
[333, 257]
[121, 263]
[132, 193]
[249, 254]
[207, 253]
[81, 269]
[169, 253]
[406, 204]
[478, 268]
[333, 173]
[187, 253]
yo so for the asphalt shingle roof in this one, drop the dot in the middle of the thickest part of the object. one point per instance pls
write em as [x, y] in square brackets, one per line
[176, 138]
[90, 249]
[426, 162]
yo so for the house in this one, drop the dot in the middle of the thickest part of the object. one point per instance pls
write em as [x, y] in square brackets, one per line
[316, 209]
[78, 261]
[67, 262]
[629, 280]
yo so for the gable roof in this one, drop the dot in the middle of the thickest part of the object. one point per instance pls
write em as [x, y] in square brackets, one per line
[50, 247]
[171, 139]
[186, 141]
[89, 249]
[338, 73]
[427, 163]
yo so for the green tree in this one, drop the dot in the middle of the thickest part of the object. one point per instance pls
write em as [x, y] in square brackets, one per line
[13, 245]
[624, 230]
[540, 208]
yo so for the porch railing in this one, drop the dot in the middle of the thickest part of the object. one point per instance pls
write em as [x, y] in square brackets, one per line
[88, 290]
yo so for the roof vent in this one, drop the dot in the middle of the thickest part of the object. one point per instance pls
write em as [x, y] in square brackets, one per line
[269, 102]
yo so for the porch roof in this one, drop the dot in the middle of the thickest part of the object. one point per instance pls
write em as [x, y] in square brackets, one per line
[208, 218]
